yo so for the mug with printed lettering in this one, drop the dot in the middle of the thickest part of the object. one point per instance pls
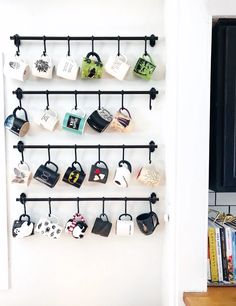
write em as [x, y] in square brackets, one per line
[117, 66]
[48, 119]
[67, 68]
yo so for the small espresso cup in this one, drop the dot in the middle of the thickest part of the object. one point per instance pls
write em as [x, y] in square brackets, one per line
[73, 176]
[22, 228]
[91, 69]
[124, 227]
[100, 119]
[99, 172]
[67, 68]
[49, 227]
[16, 68]
[123, 174]
[149, 176]
[122, 122]
[144, 67]
[17, 125]
[22, 175]
[75, 121]
[102, 226]
[43, 67]
[46, 175]
[48, 119]
[147, 222]
[117, 66]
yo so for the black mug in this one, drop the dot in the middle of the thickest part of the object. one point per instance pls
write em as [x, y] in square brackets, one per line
[100, 119]
[102, 227]
[147, 222]
[99, 172]
[22, 228]
[17, 125]
[73, 176]
[46, 175]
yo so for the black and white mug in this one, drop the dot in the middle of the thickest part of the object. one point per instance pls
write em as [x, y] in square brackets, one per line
[23, 227]
[99, 172]
[123, 174]
[74, 175]
[147, 222]
[17, 125]
[100, 119]
[46, 175]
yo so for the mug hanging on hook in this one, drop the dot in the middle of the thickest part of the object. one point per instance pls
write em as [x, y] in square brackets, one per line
[92, 66]
[43, 65]
[99, 171]
[117, 65]
[147, 222]
[144, 67]
[75, 120]
[125, 227]
[122, 121]
[101, 118]
[48, 118]
[123, 172]
[67, 67]
[102, 226]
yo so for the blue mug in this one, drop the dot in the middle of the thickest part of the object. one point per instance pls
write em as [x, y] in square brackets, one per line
[75, 121]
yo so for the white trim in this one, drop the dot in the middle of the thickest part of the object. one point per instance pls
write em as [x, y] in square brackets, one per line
[4, 278]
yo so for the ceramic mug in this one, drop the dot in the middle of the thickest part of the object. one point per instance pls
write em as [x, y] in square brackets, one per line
[122, 122]
[149, 176]
[43, 67]
[147, 222]
[17, 125]
[67, 68]
[102, 226]
[99, 172]
[124, 227]
[22, 175]
[74, 176]
[144, 67]
[22, 228]
[49, 227]
[48, 119]
[76, 226]
[16, 68]
[117, 66]
[75, 121]
[91, 69]
[100, 119]
[46, 175]
[123, 174]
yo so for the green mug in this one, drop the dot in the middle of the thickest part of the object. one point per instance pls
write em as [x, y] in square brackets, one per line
[144, 67]
[75, 121]
[91, 69]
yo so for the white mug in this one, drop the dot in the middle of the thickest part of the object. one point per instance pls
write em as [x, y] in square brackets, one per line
[125, 227]
[117, 66]
[148, 175]
[67, 68]
[48, 119]
[22, 175]
[123, 174]
[43, 67]
[16, 68]
[49, 227]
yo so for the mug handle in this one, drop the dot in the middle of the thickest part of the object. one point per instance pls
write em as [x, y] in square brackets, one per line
[105, 216]
[25, 216]
[49, 162]
[149, 57]
[94, 54]
[76, 162]
[123, 58]
[124, 215]
[20, 108]
[154, 218]
[77, 111]
[21, 165]
[127, 164]
[101, 162]
[121, 109]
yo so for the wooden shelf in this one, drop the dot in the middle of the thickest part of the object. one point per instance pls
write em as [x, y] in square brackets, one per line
[215, 296]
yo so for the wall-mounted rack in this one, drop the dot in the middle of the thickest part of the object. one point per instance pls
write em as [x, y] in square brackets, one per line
[18, 38]
[21, 147]
[152, 199]
[152, 93]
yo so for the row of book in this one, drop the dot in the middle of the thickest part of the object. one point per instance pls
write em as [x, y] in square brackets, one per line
[221, 249]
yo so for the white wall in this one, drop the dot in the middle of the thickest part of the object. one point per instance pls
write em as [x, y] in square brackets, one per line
[95, 270]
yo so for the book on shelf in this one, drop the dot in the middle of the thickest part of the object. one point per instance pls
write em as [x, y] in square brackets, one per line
[221, 252]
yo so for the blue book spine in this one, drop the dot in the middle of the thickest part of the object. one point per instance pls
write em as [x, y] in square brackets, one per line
[234, 253]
